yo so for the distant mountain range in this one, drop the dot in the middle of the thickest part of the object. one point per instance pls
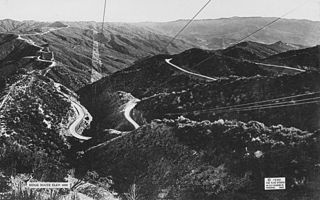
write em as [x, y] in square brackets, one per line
[220, 33]
[8, 25]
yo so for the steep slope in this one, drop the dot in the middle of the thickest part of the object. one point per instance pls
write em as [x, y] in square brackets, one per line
[33, 116]
[249, 59]
[40, 121]
[144, 77]
[183, 159]
[216, 64]
[38, 117]
[217, 100]
[158, 77]
[73, 47]
[305, 58]
[256, 51]
[17, 54]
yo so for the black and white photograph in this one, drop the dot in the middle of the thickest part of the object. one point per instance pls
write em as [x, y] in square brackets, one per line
[159, 99]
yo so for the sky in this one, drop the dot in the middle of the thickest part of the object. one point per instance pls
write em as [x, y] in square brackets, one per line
[153, 10]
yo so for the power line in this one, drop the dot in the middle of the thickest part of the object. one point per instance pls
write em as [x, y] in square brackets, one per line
[264, 101]
[256, 107]
[275, 104]
[93, 38]
[187, 24]
[104, 14]
[250, 109]
[256, 31]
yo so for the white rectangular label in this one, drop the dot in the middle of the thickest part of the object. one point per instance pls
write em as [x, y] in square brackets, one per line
[49, 185]
[276, 183]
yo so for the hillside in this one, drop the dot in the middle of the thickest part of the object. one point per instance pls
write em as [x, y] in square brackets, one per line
[57, 25]
[143, 78]
[224, 100]
[221, 63]
[36, 113]
[73, 48]
[122, 43]
[33, 116]
[216, 156]
[306, 58]
[39, 122]
[256, 51]
[17, 55]
[163, 88]
[183, 159]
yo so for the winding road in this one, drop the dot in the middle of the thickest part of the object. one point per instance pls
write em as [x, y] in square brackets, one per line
[127, 111]
[188, 72]
[83, 117]
[52, 61]
[128, 107]
[80, 117]
[46, 71]
[279, 66]
[46, 32]
[81, 113]
[214, 79]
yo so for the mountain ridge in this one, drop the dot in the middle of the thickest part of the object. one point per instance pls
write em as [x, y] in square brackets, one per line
[210, 33]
